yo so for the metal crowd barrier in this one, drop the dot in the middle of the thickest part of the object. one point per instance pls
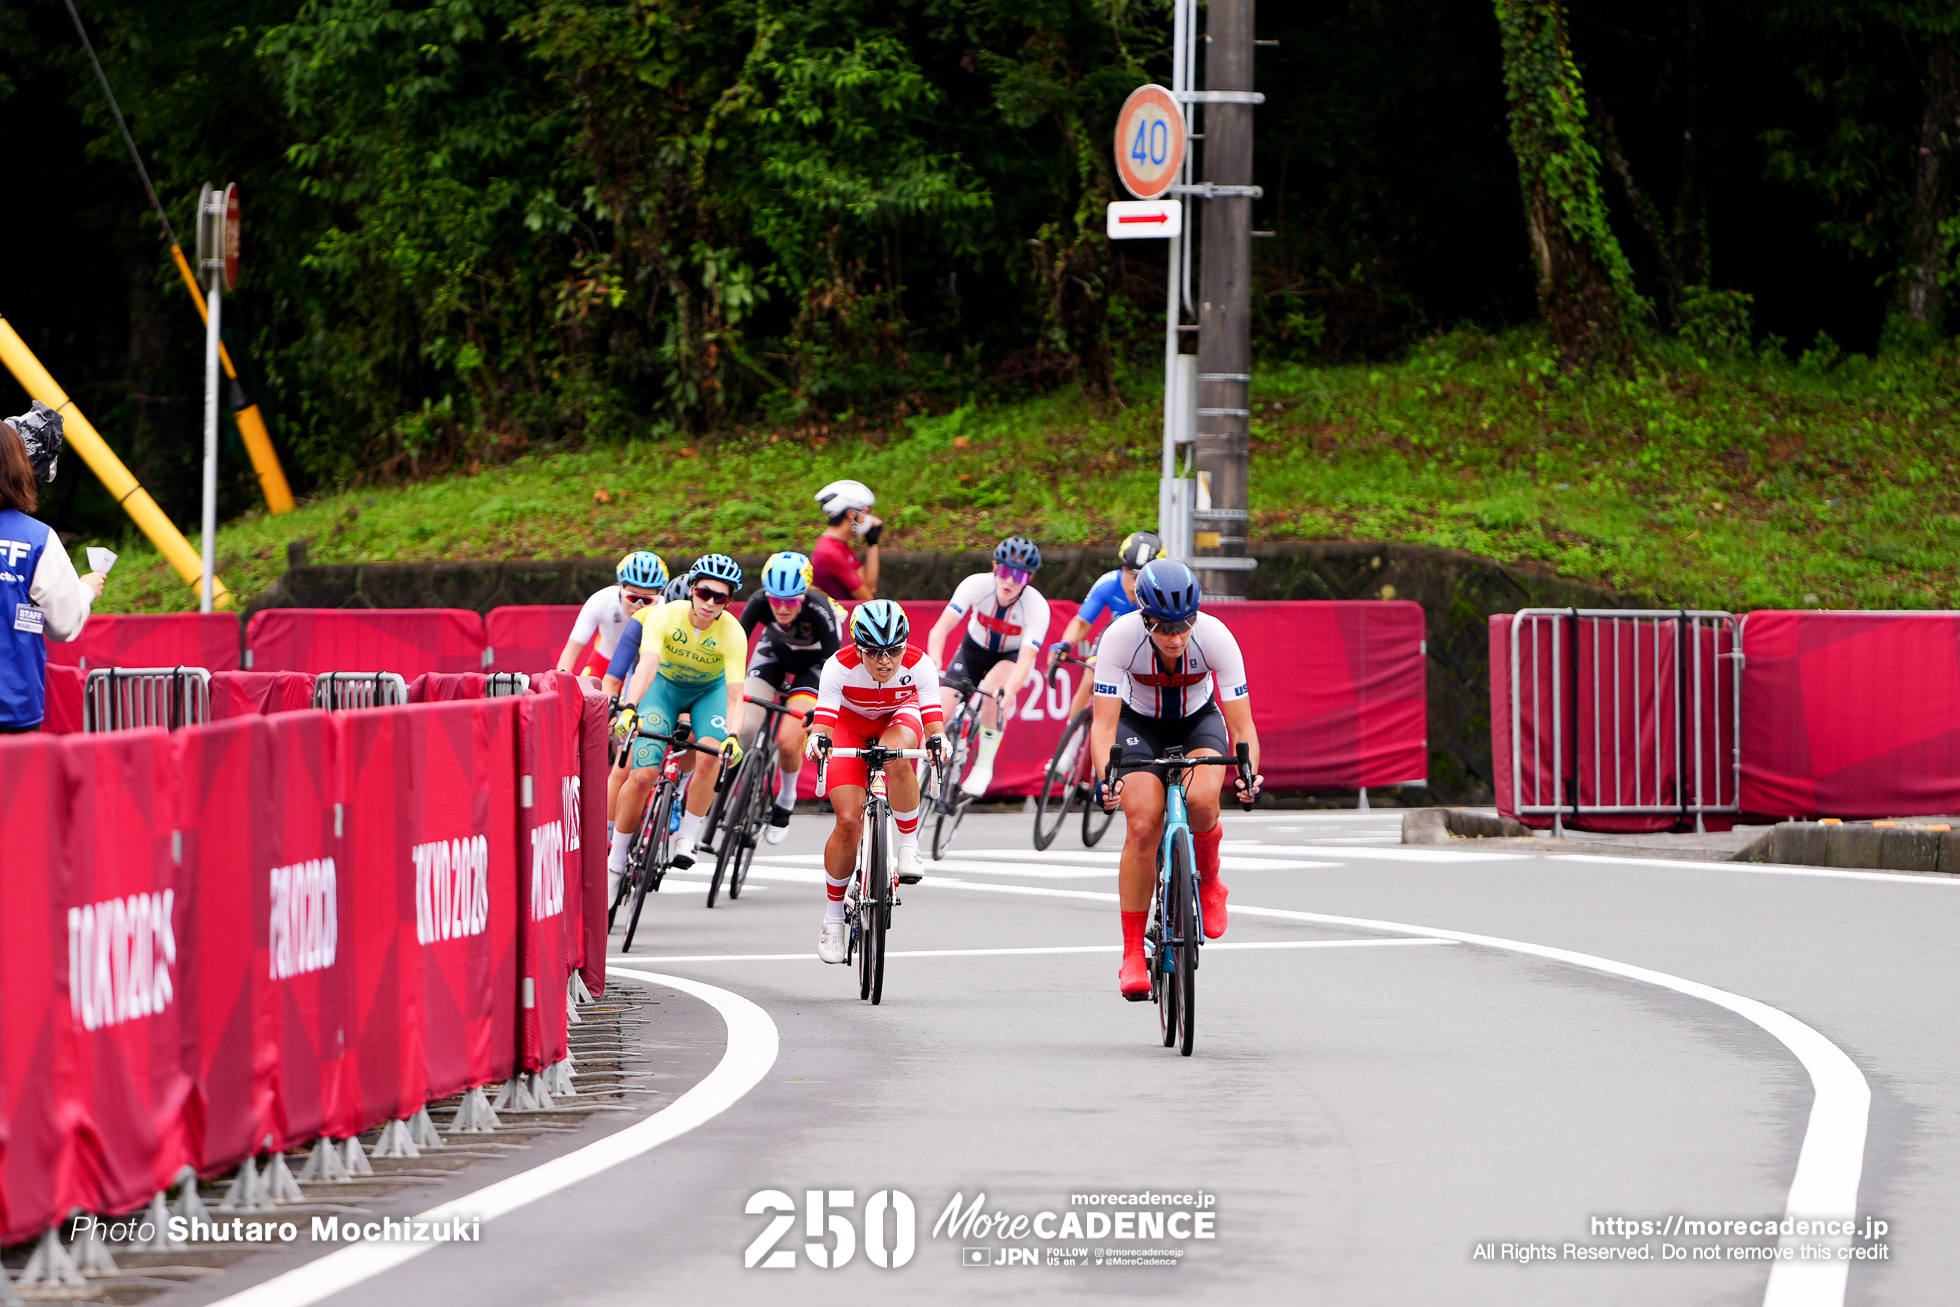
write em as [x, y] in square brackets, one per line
[359, 690]
[505, 685]
[1598, 682]
[121, 698]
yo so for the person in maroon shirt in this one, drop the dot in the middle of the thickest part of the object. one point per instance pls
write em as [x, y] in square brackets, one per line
[834, 565]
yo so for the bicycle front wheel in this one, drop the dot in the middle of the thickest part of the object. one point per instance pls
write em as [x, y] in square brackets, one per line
[1184, 899]
[1095, 817]
[733, 810]
[1058, 783]
[881, 906]
[650, 857]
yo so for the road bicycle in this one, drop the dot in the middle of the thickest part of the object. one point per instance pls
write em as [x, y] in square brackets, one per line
[743, 807]
[651, 852]
[1071, 779]
[873, 891]
[949, 800]
[1177, 927]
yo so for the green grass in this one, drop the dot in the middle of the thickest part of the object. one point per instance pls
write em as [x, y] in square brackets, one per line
[1731, 482]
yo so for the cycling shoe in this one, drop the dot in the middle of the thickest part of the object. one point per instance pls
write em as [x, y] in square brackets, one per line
[1134, 978]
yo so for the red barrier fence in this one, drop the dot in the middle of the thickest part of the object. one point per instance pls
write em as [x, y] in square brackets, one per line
[409, 641]
[1849, 714]
[239, 694]
[528, 637]
[281, 926]
[207, 640]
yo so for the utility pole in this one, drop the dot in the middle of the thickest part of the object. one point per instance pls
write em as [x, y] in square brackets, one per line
[1220, 516]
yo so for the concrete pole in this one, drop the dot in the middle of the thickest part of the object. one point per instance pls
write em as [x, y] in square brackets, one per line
[1225, 303]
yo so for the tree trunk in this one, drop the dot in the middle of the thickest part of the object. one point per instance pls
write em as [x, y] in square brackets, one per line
[1691, 259]
[1585, 286]
[1921, 296]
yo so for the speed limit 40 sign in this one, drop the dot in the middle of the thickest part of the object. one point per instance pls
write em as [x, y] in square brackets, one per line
[1149, 142]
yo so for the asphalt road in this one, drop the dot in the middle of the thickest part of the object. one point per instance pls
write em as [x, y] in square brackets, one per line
[1368, 1109]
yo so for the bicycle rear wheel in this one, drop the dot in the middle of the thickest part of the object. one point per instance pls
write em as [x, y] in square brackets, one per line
[881, 905]
[760, 800]
[1058, 783]
[1095, 817]
[732, 806]
[1184, 897]
[651, 855]
[1163, 977]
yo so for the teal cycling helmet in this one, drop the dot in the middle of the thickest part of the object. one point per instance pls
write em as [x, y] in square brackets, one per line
[643, 568]
[786, 575]
[717, 567]
[880, 625]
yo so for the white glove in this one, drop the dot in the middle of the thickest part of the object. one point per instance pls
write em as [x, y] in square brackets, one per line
[815, 746]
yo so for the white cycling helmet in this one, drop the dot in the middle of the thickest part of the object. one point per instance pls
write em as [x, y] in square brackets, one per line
[840, 497]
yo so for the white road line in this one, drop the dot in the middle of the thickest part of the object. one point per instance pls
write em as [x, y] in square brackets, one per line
[1027, 952]
[751, 1051]
[1831, 1160]
[1059, 865]
[1408, 853]
[1762, 869]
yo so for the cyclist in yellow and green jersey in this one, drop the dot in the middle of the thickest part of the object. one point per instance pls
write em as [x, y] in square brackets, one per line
[693, 655]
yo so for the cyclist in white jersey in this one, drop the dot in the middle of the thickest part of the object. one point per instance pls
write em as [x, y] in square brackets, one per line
[1006, 621]
[641, 575]
[1168, 676]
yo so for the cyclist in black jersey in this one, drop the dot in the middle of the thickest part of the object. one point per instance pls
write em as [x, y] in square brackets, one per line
[792, 627]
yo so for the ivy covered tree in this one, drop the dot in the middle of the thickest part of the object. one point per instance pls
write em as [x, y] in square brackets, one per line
[1585, 285]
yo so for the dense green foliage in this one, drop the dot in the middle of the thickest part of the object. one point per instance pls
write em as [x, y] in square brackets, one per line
[1732, 482]
[481, 228]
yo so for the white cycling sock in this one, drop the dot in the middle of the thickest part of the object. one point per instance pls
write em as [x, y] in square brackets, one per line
[786, 789]
[691, 827]
[989, 745]
[908, 828]
[616, 860]
[609, 830]
[834, 909]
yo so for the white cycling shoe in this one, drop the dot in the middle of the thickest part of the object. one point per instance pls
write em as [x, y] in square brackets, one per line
[978, 779]
[830, 943]
[911, 864]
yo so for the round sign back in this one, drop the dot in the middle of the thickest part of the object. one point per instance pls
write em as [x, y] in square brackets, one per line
[230, 241]
[1149, 142]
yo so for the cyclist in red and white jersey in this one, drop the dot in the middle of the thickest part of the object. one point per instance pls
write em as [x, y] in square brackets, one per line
[1168, 676]
[641, 575]
[878, 687]
[1006, 621]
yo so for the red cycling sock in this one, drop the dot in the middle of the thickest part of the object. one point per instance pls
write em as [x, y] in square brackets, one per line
[1133, 932]
[1206, 848]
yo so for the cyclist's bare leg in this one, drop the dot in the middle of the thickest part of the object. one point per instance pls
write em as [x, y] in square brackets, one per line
[901, 782]
[701, 786]
[990, 685]
[1201, 797]
[753, 723]
[1082, 692]
[789, 739]
[1143, 830]
[840, 850]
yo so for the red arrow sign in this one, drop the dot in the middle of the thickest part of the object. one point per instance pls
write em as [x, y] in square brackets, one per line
[1154, 217]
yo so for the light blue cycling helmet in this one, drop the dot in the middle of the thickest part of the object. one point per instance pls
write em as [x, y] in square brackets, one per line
[786, 575]
[676, 589]
[717, 567]
[644, 569]
[880, 624]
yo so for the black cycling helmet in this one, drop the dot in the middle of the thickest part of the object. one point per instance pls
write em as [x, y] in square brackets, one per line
[880, 625]
[1018, 551]
[1138, 548]
[1167, 591]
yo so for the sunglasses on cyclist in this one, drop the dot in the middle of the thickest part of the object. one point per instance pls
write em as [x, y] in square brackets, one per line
[635, 601]
[1014, 574]
[880, 652]
[1167, 627]
[710, 595]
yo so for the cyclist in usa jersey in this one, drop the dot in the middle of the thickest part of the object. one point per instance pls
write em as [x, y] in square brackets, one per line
[1114, 593]
[1157, 672]
[1006, 619]
[641, 576]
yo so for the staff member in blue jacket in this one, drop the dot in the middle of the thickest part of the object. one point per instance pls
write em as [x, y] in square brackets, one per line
[41, 598]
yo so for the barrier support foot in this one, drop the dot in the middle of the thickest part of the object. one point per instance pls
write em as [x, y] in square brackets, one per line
[396, 1141]
[474, 1115]
[91, 1253]
[357, 1161]
[8, 1298]
[158, 1215]
[247, 1192]
[324, 1164]
[190, 1204]
[51, 1266]
[280, 1187]
[423, 1130]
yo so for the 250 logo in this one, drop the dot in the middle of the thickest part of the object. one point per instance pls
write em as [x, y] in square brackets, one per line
[826, 1217]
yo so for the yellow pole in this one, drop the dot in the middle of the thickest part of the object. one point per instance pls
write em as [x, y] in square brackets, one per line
[251, 423]
[95, 451]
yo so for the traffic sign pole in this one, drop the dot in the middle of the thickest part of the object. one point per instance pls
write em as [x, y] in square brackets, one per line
[217, 261]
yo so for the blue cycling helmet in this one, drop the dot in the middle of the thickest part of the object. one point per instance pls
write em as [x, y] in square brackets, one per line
[717, 567]
[1167, 591]
[643, 568]
[676, 589]
[1018, 551]
[880, 624]
[786, 575]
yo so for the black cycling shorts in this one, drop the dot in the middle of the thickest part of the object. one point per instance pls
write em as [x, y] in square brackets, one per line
[972, 663]
[784, 678]
[1141, 737]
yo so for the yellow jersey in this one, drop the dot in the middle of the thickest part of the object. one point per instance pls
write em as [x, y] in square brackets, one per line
[692, 657]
